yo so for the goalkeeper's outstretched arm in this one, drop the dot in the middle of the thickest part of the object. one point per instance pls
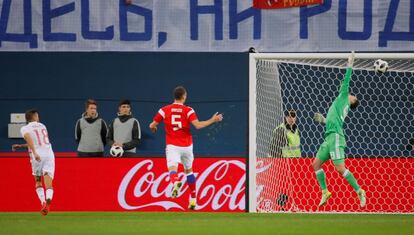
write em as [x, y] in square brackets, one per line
[344, 90]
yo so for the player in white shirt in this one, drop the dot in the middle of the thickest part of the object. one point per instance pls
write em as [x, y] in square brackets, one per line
[42, 157]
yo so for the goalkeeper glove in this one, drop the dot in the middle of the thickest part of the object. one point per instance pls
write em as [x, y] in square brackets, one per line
[319, 118]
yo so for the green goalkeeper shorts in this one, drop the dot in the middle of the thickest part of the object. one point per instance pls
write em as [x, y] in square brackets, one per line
[332, 148]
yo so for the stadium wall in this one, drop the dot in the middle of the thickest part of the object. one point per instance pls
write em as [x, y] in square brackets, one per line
[57, 84]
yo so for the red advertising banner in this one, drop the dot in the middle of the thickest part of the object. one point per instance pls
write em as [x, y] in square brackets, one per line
[273, 4]
[139, 184]
[125, 184]
[288, 184]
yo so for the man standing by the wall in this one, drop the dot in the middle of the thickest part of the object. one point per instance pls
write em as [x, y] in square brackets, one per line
[125, 130]
[90, 132]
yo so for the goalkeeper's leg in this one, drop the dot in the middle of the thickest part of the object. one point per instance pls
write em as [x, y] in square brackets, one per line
[321, 157]
[340, 167]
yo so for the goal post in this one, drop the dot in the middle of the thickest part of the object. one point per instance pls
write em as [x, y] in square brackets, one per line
[378, 132]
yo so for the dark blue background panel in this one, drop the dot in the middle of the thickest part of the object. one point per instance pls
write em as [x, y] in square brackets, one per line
[59, 83]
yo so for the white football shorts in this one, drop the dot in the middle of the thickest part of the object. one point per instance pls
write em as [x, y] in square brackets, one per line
[45, 166]
[177, 154]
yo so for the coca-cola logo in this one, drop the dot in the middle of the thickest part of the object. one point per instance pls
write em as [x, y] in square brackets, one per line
[262, 166]
[220, 186]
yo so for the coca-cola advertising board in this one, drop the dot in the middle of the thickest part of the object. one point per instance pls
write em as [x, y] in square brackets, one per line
[142, 184]
[126, 184]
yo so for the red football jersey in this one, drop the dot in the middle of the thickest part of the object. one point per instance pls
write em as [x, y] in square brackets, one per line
[177, 119]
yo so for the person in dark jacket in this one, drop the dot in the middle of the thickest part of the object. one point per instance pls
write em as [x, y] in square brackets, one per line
[125, 130]
[90, 132]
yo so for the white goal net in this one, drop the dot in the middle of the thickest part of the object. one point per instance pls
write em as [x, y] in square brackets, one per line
[379, 132]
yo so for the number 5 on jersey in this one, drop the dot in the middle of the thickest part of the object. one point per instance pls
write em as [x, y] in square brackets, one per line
[176, 122]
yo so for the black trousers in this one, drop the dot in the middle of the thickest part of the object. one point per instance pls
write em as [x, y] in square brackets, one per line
[88, 154]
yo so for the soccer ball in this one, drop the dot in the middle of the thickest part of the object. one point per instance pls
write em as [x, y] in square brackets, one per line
[116, 151]
[380, 66]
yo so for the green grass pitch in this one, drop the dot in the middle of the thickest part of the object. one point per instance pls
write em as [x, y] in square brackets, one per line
[150, 223]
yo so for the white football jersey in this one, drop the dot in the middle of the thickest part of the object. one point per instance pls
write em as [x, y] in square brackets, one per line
[40, 137]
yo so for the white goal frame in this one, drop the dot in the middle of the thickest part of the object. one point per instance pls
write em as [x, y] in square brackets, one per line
[253, 58]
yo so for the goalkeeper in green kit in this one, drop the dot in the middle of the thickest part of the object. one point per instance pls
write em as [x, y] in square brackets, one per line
[334, 144]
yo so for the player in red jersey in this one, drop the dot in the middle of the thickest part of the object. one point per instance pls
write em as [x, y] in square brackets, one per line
[177, 118]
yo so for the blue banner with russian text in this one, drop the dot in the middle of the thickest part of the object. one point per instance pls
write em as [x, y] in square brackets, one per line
[205, 25]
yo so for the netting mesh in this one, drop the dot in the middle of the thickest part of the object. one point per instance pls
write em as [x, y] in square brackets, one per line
[378, 135]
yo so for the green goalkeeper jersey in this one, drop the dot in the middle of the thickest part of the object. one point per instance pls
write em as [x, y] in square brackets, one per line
[339, 108]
